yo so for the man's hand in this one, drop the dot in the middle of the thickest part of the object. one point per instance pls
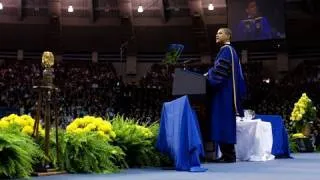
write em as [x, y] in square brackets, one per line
[205, 74]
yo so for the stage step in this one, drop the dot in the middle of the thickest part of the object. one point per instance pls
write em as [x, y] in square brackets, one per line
[49, 172]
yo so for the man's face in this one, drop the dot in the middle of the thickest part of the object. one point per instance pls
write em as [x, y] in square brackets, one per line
[221, 37]
[252, 9]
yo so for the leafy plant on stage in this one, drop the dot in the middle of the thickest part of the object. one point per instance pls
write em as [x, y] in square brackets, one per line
[293, 146]
[164, 159]
[303, 114]
[53, 147]
[25, 124]
[18, 152]
[89, 152]
[137, 141]
[88, 148]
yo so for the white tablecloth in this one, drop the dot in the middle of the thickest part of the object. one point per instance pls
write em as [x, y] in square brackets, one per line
[254, 140]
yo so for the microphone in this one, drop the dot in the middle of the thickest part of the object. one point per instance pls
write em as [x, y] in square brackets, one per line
[125, 44]
[187, 61]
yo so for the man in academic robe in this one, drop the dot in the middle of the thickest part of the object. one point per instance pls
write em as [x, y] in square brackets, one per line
[227, 88]
[255, 27]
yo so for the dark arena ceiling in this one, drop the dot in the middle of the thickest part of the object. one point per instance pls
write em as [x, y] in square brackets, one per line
[103, 25]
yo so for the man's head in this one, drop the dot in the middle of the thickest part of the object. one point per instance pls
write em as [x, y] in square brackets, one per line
[251, 8]
[223, 35]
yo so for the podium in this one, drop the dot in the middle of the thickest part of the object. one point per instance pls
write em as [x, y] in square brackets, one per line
[195, 86]
[188, 83]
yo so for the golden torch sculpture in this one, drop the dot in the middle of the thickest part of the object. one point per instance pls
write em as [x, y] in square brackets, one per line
[47, 107]
[47, 63]
[47, 59]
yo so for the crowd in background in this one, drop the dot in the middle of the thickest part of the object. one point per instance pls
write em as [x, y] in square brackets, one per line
[96, 89]
[84, 89]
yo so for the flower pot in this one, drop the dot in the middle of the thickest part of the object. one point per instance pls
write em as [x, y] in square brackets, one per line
[306, 130]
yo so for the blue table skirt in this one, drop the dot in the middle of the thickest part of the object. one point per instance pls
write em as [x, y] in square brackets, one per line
[280, 147]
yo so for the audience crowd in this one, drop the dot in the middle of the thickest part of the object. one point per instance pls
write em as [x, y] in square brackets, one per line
[96, 89]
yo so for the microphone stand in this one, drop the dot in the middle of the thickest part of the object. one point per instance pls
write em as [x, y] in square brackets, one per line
[185, 63]
[123, 46]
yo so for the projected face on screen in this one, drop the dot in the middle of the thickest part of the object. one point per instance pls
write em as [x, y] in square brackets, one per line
[252, 20]
[252, 9]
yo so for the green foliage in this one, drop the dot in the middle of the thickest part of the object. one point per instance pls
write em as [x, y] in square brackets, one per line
[82, 152]
[90, 153]
[18, 153]
[53, 147]
[293, 145]
[311, 113]
[171, 57]
[162, 160]
[137, 141]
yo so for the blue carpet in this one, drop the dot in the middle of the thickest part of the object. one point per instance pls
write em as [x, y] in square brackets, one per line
[301, 167]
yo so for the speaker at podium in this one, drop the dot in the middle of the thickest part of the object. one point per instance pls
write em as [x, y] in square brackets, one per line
[194, 85]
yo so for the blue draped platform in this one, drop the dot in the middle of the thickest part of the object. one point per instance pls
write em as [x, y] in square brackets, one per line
[180, 136]
[280, 147]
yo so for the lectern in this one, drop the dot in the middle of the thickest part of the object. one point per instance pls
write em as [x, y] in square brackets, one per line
[195, 86]
[188, 83]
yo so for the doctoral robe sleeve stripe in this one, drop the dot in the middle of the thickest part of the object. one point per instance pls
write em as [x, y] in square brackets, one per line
[222, 68]
[221, 73]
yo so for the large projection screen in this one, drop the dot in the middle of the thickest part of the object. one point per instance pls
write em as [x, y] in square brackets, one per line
[252, 20]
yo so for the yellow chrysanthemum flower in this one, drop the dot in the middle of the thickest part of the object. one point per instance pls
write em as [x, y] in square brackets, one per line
[91, 124]
[27, 130]
[78, 130]
[101, 133]
[21, 122]
[13, 116]
[25, 122]
[298, 135]
[105, 128]
[4, 124]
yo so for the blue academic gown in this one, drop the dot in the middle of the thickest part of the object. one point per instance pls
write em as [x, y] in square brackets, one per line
[253, 29]
[226, 83]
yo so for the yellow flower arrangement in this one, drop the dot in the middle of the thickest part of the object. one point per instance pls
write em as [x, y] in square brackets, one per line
[303, 113]
[300, 108]
[25, 122]
[4, 124]
[92, 124]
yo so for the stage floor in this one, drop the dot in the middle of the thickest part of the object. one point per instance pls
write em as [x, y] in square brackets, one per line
[303, 166]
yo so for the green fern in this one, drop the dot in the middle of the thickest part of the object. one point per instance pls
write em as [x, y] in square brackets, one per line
[139, 149]
[18, 154]
[52, 148]
[89, 153]
[293, 145]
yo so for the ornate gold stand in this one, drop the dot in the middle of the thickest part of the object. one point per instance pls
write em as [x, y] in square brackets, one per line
[46, 100]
